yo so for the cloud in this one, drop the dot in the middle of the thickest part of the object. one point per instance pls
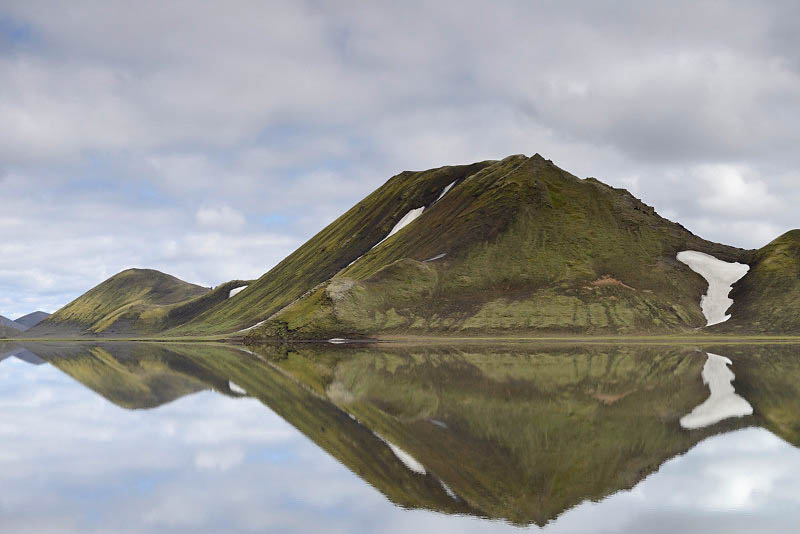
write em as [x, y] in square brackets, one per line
[734, 190]
[222, 217]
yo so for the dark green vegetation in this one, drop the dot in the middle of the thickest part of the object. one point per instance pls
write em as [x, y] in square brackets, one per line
[133, 302]
[768, 298]
[517, 432]
[528, 249]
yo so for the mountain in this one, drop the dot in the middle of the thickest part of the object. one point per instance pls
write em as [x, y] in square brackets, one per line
[332, 249]
[517, 247]
[767, 299]
[9, 328]
[134, 301]
[32, 319]
[511, 247]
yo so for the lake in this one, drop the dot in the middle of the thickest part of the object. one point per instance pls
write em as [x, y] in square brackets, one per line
[124, 437]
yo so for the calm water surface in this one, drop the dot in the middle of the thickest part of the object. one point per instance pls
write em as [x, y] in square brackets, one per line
[187, 438]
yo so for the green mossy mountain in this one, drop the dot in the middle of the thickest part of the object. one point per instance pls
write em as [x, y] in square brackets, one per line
[767, 299]
[332, 249]
[515, 247]
[133, 302]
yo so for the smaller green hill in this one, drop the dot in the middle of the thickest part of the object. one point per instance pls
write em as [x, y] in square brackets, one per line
[767, 299]
[115, 307]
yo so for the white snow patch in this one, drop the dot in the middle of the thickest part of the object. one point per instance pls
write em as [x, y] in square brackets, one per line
[444, 192]
[236, 291]
[723, 402]
[720, 275]
[358, 258]
[407, 219]
[450, 492]
[236, 388]
[437, 257]
[408, 460]
[438, 423]
[250, 327]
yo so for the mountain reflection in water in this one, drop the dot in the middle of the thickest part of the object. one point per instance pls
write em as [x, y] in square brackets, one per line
[530, 435]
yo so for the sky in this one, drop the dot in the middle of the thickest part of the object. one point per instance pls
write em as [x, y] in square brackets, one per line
[209, 139]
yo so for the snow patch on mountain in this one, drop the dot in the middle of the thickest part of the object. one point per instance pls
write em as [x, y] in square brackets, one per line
[723, 403]
[720, 275]
[236, 388]
[250, 327]
[444, 192]
[437, 257]
[236, 291]
[407, 219]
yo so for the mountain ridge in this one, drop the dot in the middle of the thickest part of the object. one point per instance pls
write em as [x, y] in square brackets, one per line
[520, 246]
[511, 247]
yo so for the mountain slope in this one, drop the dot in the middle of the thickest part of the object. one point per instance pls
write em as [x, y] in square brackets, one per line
[32, 319]
[9, 328]
[767, 299]
[332, 249]
[513, 247]
[113, 307]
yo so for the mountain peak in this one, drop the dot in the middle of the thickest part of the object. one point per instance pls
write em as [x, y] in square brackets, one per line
[515, 245]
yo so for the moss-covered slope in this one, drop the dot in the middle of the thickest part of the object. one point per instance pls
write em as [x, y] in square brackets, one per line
[516, 247]
[135, 301]
[332, 249]
[767, 299]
